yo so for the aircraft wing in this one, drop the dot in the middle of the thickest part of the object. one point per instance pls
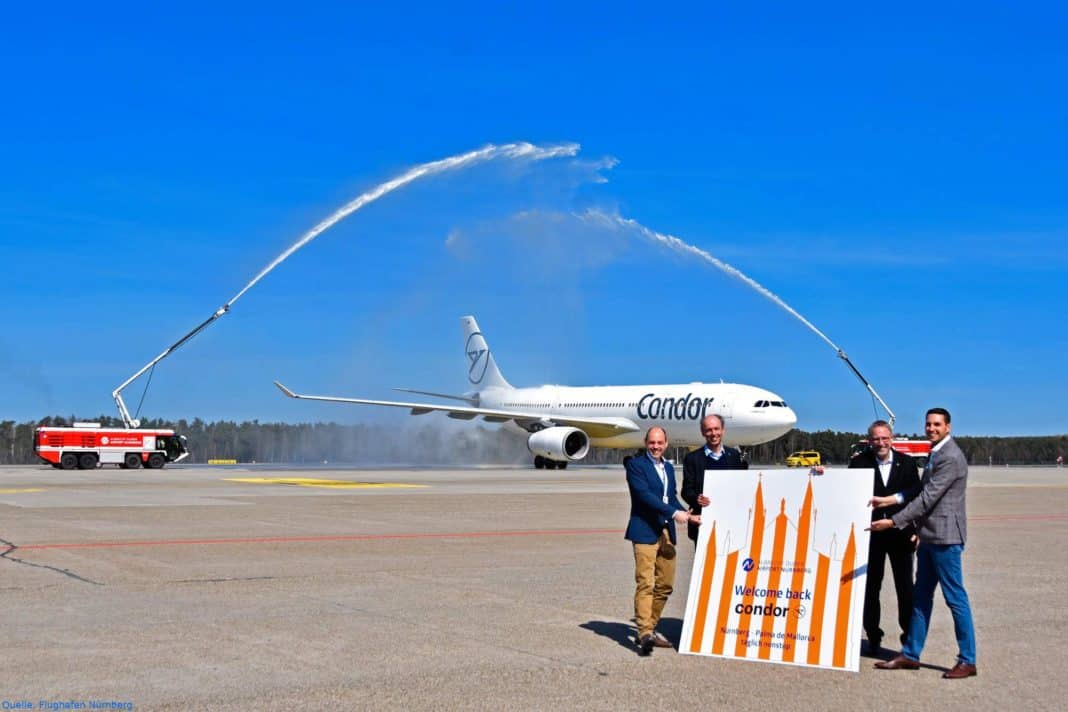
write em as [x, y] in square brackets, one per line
[594, 427]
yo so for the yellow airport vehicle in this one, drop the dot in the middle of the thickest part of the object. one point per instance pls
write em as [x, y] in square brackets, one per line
[803, 458]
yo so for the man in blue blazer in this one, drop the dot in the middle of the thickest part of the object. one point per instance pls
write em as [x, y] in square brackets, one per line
[654, 509]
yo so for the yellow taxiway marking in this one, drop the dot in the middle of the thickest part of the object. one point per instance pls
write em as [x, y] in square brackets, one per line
[20, 491]
[311, 482]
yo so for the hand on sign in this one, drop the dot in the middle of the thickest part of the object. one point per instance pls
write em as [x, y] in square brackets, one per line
[703, 500]
[880, 525]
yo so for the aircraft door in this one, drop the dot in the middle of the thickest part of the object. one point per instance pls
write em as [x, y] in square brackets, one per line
[725, 410]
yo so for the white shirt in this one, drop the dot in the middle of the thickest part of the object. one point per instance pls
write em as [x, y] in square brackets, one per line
[884, 467]
[943, 441]
[713, 455]
[659, 465]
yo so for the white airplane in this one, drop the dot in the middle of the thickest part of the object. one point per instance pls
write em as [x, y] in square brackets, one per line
[564, 422]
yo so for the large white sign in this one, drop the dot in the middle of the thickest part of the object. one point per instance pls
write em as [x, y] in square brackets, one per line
[780, 567]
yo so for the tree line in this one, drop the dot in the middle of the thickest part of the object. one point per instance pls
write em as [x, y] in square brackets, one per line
[431, 443]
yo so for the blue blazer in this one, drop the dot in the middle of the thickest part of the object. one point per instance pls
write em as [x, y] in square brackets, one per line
[648, 512]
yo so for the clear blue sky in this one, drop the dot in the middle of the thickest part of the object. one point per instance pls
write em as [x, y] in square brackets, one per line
[898, 176]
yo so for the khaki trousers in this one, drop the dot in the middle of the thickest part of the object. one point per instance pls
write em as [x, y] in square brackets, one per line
[654, 576]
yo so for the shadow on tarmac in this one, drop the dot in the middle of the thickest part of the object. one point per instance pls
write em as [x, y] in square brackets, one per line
[624, 633]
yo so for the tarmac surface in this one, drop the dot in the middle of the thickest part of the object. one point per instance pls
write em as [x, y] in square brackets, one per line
[272, 588]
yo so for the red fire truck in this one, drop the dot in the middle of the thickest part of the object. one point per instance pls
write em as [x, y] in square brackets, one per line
[920, 450]
[87, 445]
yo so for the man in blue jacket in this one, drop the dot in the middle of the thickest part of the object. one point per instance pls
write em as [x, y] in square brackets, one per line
[654, 509]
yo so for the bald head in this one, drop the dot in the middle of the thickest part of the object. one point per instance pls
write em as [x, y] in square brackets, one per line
[709, 419]
[712, 432]
[655, 442]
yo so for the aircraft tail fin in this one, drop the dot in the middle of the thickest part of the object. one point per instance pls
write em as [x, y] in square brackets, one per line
[482, 371]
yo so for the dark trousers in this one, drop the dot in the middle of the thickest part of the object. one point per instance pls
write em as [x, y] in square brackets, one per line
[895, 545]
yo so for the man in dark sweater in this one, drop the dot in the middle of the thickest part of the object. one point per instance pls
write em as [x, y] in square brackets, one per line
[713, 456]
[892, 472]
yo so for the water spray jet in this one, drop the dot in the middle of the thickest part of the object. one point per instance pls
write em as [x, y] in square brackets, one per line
[675, 244]
[515, 151]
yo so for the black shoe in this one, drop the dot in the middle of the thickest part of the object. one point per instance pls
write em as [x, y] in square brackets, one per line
[875, 646]
[646, 644]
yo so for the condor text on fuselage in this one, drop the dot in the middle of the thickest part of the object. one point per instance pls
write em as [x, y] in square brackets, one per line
[747, 411]
[563, 422]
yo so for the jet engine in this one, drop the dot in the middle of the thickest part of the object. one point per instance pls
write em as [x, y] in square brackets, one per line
[559, 443]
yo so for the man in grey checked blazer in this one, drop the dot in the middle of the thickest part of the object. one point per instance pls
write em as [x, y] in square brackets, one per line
[938, 512]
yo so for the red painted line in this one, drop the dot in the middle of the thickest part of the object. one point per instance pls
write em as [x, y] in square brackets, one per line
[306, 539]
[440, 535]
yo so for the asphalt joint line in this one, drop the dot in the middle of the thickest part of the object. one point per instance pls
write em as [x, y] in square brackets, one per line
[11, 548]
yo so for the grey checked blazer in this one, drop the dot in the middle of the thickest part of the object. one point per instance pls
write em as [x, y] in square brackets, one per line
[938, 510]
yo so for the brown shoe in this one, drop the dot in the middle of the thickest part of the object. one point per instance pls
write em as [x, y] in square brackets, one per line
[961, 670]
[899, 662]
[661, 642]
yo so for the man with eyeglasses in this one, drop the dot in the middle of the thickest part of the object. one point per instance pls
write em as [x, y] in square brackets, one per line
[892, 472]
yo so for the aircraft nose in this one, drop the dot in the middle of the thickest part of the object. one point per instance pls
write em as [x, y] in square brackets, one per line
[789, 418]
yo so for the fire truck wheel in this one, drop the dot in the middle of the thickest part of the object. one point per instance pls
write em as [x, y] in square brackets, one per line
[132, 461]
[68, 461]
[155, 461]
[87, 461]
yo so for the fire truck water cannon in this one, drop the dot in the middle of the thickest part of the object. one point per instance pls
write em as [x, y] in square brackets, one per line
[130, 422]
[890, 413]
[86, 446]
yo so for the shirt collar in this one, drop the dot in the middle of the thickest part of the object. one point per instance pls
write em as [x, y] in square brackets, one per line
[941, 442]
[709, 453]
[889, 459]
[653, 459]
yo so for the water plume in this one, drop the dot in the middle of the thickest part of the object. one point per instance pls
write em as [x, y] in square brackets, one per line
[520, 150]
[515, 151]
[613, 221]
[673, 243]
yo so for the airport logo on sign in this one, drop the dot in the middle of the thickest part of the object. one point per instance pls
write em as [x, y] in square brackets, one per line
[747, 565]
[478, 360]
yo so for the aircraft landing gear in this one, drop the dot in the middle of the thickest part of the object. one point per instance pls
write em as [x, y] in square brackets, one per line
[544, 463]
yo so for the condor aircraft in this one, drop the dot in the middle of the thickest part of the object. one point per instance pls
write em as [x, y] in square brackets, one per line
[563, 422]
